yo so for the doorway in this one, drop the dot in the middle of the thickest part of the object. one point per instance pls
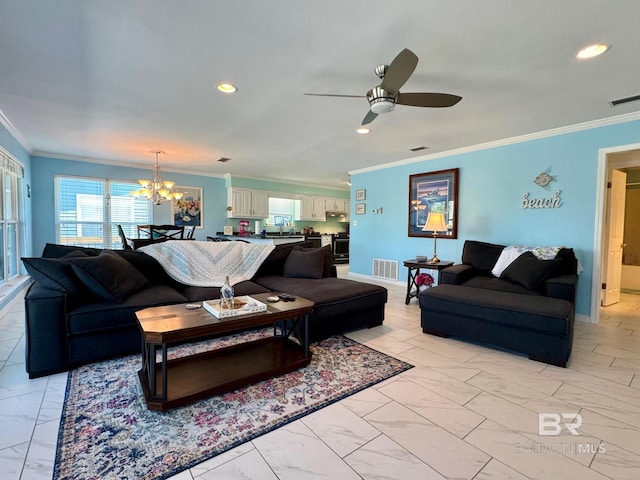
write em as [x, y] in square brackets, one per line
[620, 255]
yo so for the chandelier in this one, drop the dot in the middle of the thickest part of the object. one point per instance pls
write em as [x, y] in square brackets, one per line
[157, 190]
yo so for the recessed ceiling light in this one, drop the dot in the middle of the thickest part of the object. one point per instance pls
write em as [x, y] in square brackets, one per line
[227, 88]
[363, 130]
[592, 50]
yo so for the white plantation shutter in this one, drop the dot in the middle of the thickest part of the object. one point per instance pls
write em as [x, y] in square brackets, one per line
[88, 211]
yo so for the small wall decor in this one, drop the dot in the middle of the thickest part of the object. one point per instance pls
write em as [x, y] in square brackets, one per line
[361, 195]
[543, 180]
[553, 201]
[433, 192]
[188, 211]
[360, 208]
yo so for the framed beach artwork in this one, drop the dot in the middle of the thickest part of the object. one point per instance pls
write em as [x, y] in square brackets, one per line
[188, 210]
[433, 192]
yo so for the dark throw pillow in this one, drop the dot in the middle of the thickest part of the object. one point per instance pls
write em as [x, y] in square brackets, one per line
[481, 255]
[529, 271]
[274, 263]
[327, 258]
[304, 264]
[109, 276]
[56, 273]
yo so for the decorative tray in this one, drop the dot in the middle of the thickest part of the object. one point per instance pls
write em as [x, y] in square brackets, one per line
[241, 306]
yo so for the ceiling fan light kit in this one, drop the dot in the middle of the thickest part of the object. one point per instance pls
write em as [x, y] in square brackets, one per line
[384, 97]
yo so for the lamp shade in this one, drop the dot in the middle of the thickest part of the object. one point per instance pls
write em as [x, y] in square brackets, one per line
[435, 223]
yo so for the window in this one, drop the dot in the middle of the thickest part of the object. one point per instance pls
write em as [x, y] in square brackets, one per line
[280, 212]
[88, 211]
[11, 207]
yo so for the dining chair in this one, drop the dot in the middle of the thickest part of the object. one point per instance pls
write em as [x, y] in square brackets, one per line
[168, 232]
[189, 231]
[123, 238]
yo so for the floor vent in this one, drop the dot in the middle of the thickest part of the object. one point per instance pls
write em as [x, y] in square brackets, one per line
[386, 269]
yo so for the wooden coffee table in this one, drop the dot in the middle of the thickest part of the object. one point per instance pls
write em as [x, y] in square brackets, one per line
[171, 383]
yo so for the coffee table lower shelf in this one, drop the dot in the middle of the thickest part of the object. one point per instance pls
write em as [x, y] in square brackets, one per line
[205, 374]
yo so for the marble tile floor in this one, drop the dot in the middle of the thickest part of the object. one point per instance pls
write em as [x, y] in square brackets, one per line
[464, 412]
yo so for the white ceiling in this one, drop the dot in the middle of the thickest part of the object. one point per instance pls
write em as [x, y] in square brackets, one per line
[112, 80]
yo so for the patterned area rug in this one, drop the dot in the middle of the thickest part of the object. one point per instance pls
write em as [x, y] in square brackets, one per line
[106, 430]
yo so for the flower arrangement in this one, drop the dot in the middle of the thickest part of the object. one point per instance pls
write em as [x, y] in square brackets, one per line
[188, 205]
[424, 279]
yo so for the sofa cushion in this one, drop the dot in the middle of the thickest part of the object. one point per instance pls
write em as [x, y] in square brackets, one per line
[529, 271]
[481, 255]
[198, 294]
[327, 258]
[499, 285]
[56, 273]
[102, 316]
[333, 297]
[304, 263]
[274, 263]
[149, 267]
[54, 250]
[109, 276]
[527, 312]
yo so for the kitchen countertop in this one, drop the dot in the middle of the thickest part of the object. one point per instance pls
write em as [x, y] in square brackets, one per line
[269, 239]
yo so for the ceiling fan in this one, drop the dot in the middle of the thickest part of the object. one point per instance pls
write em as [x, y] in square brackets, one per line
[384, 97]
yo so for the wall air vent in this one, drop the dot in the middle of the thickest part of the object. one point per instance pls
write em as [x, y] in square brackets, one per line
[223, 159]
[620, 101]
[385, 269]
[417, 149]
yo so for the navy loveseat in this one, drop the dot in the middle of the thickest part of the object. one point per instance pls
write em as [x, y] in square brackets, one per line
[529, 308]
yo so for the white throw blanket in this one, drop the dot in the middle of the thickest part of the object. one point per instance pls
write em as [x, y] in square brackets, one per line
[511, 252]
[207, 264]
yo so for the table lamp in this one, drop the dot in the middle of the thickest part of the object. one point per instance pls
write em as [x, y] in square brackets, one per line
[435, 223]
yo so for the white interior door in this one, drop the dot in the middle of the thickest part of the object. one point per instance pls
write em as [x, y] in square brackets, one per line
[612, 269]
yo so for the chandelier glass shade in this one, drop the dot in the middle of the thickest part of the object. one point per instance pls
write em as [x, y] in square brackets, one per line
[157, 190]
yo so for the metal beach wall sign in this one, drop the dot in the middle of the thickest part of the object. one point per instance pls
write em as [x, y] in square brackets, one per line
[543, 180]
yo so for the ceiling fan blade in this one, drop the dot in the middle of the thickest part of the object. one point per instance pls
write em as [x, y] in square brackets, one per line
[434, 100]
[333, 95]
[369, 117]
[399, 71]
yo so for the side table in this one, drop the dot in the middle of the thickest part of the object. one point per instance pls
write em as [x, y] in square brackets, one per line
[413, 269]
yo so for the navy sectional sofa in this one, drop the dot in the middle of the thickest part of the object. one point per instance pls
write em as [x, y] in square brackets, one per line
[81, 306]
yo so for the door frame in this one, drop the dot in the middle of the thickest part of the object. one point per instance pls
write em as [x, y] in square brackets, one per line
[604, 165]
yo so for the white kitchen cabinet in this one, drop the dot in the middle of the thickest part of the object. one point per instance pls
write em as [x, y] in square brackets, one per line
[312, 209]
[247, 203]
[337, 205]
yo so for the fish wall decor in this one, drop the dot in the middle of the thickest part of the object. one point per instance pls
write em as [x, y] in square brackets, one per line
[544, 179]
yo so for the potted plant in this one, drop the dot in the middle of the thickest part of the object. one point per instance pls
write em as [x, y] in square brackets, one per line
[424, 281]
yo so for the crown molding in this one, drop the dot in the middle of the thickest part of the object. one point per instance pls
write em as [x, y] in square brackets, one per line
[288, 182]
[117, 163]
[15, 133]
[627, 117]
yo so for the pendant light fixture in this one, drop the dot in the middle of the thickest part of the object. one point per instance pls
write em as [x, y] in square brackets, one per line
[157, 190]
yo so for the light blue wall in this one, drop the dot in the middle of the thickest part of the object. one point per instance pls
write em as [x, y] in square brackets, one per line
[11, 145]
[492, 183]
[44, 170]
[213, 188]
